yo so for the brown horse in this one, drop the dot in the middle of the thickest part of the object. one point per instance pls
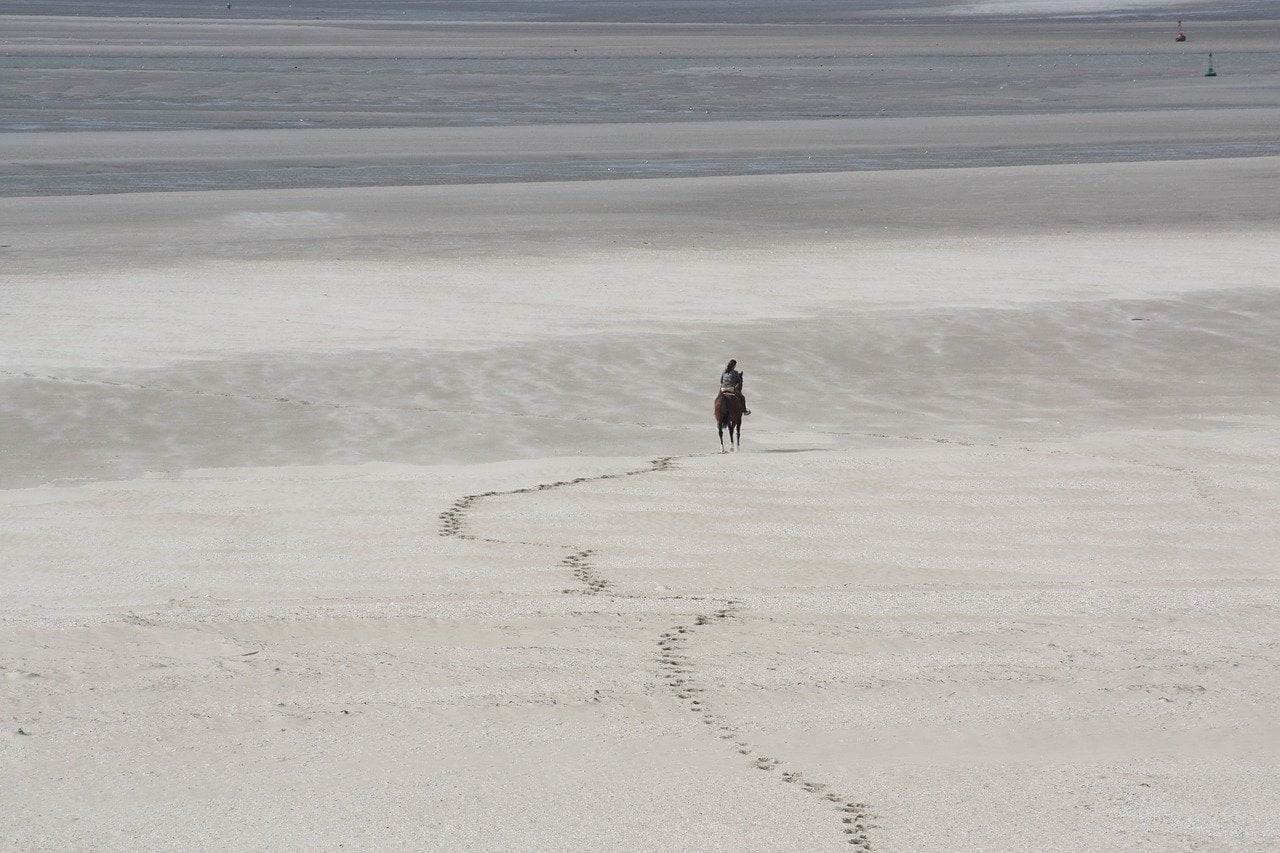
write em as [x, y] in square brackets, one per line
[729, 409]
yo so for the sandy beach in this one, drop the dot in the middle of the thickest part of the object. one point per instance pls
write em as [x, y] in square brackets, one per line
[359, 486]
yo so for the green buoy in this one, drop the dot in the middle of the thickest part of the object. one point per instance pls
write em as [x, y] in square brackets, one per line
[1211, 72]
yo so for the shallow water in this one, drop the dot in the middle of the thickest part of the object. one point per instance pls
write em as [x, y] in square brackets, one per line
[484, 64]
[72, 92]
[578, 10]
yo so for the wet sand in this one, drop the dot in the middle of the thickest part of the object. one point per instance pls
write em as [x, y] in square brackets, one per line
[345, 512]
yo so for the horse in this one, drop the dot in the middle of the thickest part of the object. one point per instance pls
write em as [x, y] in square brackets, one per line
[728, 411]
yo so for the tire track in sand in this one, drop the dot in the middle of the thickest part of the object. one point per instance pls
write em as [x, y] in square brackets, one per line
[675, 665]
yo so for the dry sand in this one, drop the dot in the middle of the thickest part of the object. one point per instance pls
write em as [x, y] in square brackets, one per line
[392, 516]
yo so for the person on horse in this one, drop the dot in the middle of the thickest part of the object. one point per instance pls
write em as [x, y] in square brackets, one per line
[731, 380]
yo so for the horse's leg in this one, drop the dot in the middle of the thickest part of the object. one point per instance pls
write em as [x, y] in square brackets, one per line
[717, 412]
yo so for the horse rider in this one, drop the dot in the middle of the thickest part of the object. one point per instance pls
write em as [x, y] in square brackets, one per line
[731, 381]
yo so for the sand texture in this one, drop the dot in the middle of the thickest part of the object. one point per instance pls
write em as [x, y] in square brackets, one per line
[359, 487]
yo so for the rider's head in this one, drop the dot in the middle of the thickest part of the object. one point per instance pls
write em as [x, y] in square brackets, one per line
[733, 362]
